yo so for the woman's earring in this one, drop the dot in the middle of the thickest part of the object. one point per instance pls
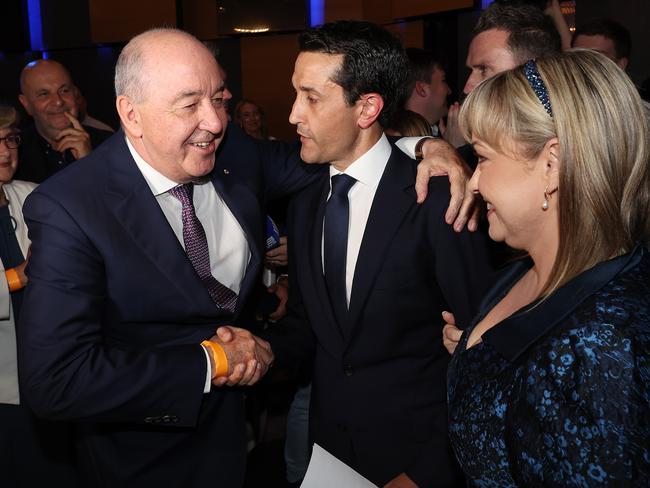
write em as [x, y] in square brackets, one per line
[545, 202]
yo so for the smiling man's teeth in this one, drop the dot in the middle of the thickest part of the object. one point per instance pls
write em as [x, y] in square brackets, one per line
[201, 144]
[489, 206]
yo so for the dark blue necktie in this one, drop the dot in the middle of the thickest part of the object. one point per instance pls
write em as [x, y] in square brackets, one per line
[335, 243]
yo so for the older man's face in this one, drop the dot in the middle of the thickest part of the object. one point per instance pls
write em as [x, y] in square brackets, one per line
[47, 94]
[488, 55]
[182, 115]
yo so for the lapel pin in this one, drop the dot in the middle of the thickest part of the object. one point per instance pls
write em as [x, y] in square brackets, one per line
[226, 171]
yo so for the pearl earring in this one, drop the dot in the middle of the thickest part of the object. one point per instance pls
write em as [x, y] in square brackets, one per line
[545, 202]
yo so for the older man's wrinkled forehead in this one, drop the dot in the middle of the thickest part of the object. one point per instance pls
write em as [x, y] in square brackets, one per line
[170, 55]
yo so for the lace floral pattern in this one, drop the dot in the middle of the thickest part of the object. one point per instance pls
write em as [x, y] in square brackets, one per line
[573, 409]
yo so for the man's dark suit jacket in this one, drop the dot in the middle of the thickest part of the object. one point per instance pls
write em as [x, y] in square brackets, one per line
[114, 315]
[379, 383]
[38, 161]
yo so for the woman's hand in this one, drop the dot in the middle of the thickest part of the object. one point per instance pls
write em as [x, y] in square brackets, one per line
[450, 333]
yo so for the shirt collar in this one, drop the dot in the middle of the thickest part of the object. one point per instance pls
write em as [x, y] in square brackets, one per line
[158, 183]
[369, 168]
[517, 333]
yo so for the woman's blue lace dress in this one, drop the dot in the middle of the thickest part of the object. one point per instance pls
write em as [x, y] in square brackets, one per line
[559, 394]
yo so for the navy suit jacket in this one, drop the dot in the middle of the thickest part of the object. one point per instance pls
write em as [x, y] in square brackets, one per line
[378, 391]
[114, 314]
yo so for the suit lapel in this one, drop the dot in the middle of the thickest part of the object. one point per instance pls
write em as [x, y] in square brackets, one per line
[245, 206]
[135, 206]
[137, 209]
[315, 214]
[394, 197]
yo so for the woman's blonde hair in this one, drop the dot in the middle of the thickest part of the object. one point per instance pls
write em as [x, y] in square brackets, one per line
[8, 116]
[599, 121]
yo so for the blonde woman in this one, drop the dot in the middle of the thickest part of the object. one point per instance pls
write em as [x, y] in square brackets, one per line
[550, 386]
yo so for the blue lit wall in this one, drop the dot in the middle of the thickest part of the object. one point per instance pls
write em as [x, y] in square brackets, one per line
[35, 27]
[316, 12]
[485, 3]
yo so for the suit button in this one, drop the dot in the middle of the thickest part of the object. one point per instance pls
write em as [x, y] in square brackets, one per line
[348, 370]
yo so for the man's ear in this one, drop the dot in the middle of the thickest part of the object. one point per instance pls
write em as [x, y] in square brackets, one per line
[422, 89]
[551, 154]
[129, 115]
[622, 63]
[371, 106]
[25, 103]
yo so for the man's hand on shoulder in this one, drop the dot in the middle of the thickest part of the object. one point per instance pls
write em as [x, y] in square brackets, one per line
[441, 158]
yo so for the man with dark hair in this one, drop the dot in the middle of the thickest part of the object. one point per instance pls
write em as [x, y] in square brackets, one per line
[57, 137]
[607, 37]
[427, 89]
[371, 269]
[505, 36]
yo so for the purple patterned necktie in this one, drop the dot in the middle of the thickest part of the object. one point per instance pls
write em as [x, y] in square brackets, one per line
[196, 248]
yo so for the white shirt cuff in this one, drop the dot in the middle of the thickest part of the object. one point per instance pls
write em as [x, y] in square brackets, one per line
[208, 372]
[407, 145]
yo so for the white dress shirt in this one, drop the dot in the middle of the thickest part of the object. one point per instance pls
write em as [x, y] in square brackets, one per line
[367, 170]
[227, 244]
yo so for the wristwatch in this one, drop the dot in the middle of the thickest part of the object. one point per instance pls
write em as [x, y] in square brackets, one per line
[418, 148]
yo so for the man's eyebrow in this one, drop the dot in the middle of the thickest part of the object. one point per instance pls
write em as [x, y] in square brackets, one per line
[196, 93]
[310, 89]
[186, 94]
[220, 89]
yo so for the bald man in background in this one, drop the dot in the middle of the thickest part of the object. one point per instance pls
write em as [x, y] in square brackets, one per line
[57, 137]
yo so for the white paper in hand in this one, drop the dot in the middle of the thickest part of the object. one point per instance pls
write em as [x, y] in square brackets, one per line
[326, 471]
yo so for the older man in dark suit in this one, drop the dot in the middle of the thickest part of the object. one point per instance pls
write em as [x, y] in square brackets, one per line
[138, 255]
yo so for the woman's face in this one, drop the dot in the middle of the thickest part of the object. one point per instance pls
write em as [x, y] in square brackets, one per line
[251, 118]
[8, 157]
[513, 190]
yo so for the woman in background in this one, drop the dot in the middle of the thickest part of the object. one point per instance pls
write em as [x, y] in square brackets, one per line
[550, 386]
[249, 116]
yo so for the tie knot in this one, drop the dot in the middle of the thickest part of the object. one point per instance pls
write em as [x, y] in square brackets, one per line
[183, 192]
[342, 183]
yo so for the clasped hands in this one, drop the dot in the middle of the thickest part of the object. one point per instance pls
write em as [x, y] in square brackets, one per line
[249, 357]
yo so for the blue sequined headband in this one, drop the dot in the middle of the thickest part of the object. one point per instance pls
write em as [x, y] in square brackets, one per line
[537, 84]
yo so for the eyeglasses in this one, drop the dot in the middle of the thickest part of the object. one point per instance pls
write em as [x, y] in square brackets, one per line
[12, 141]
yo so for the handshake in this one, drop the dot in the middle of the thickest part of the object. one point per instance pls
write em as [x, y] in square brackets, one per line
[249, 357]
